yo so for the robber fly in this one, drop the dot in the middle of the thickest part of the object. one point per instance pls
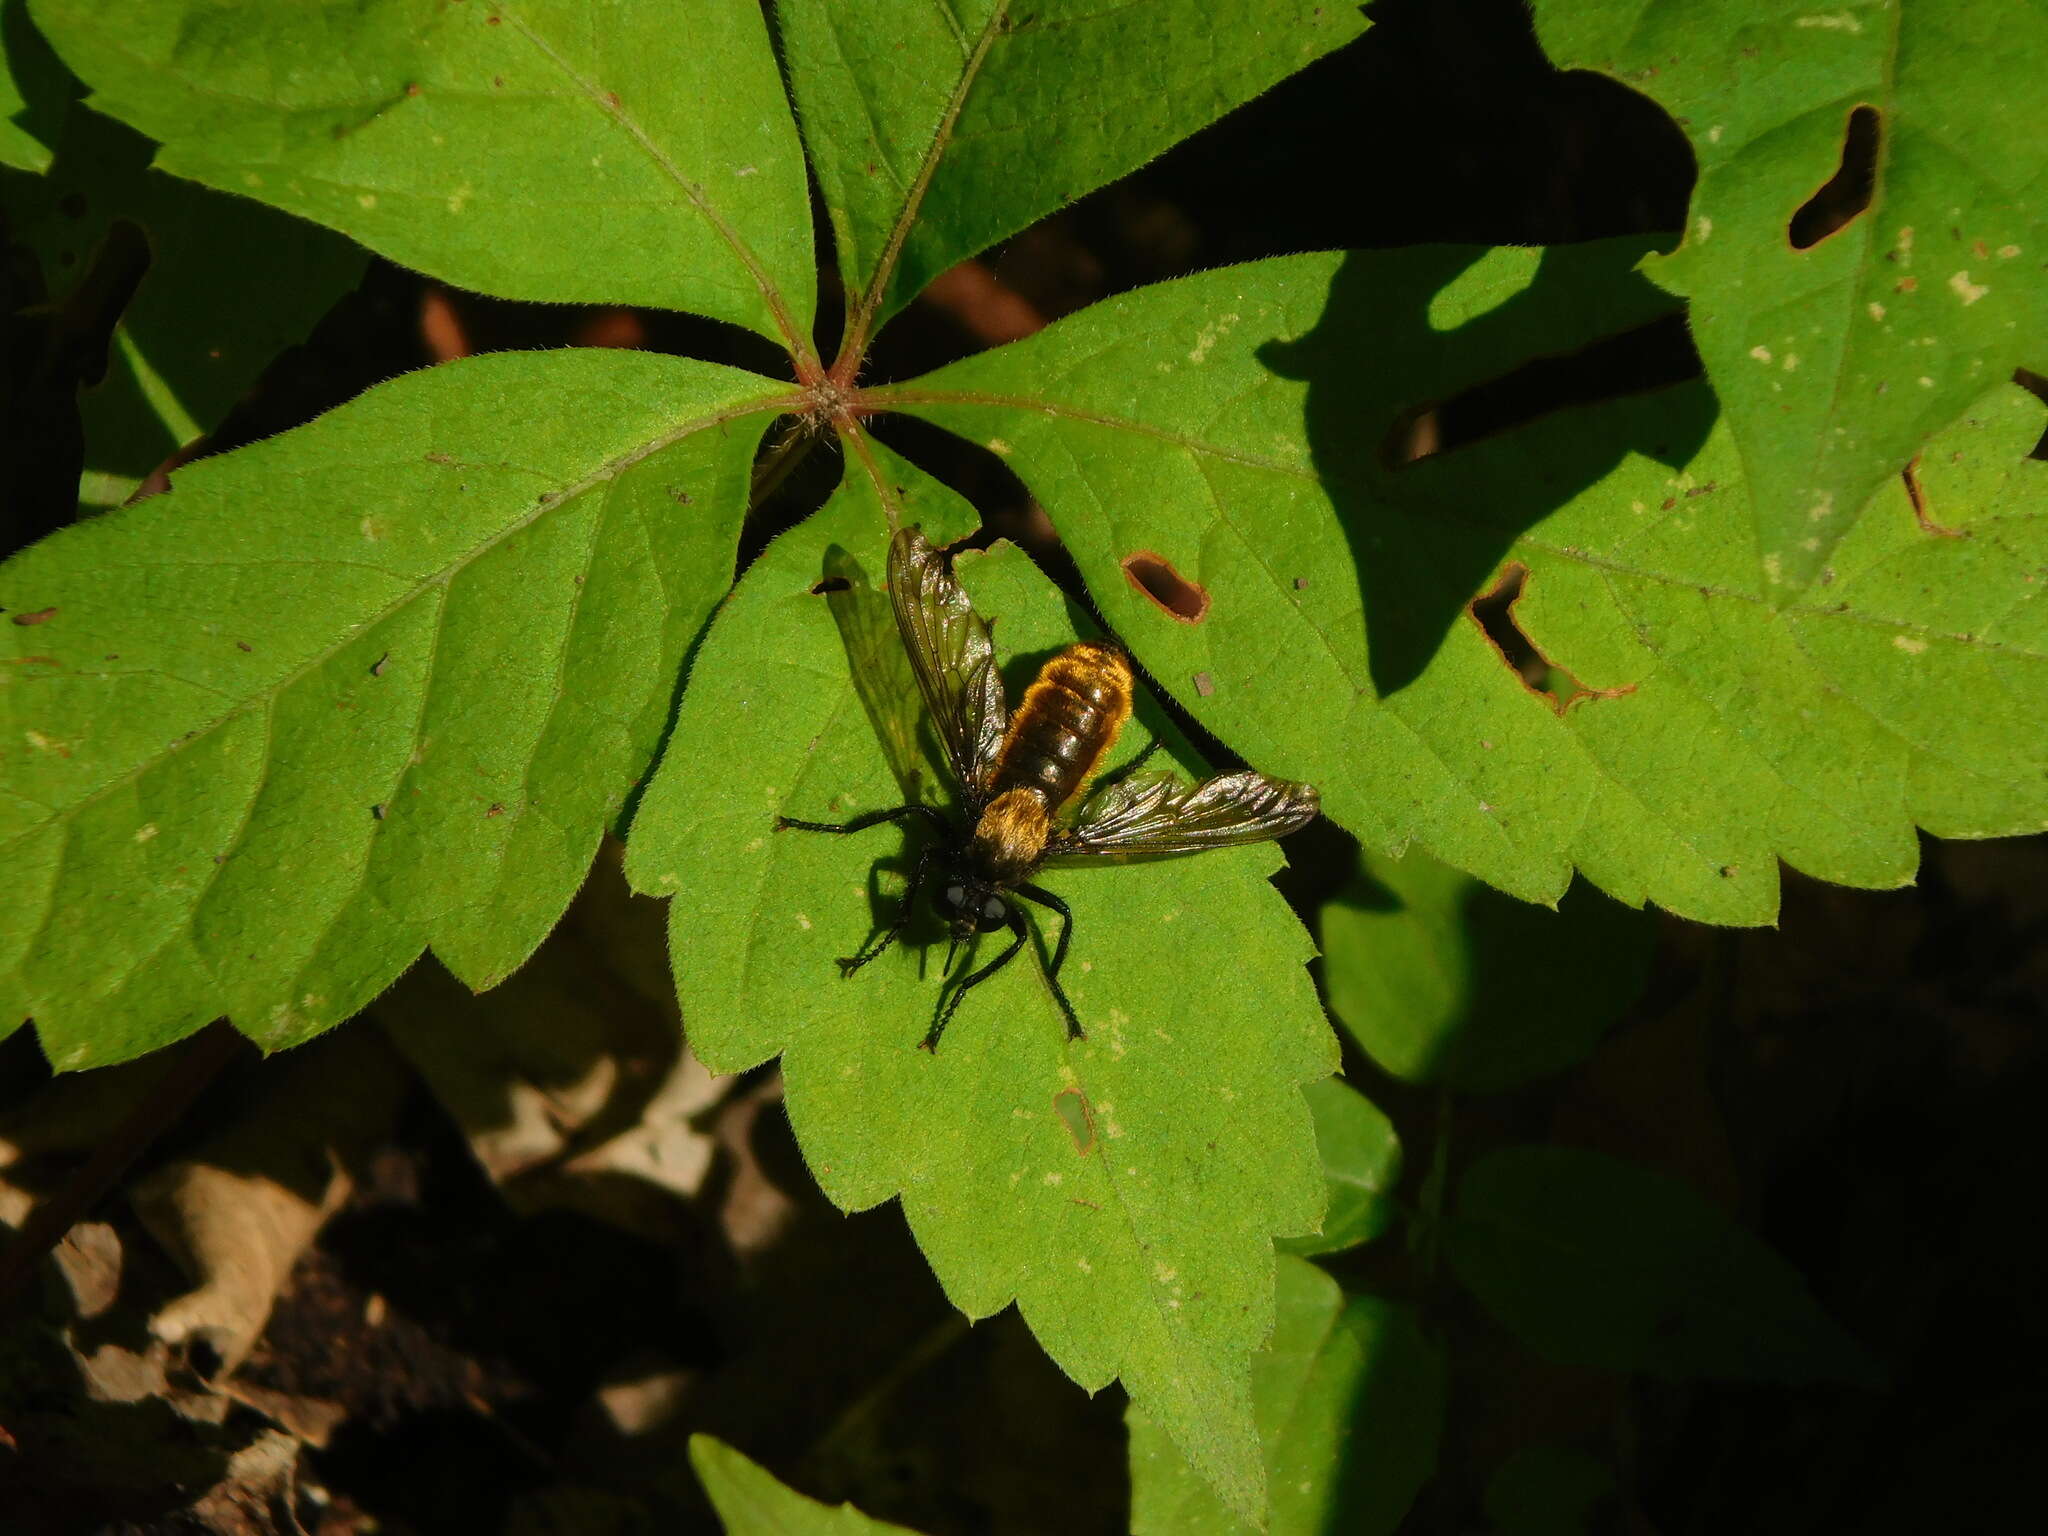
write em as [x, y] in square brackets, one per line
[1018, 773]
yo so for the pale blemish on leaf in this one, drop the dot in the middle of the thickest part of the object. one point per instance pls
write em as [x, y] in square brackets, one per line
[803, 922]
[1210, 334]
[459, 197]
[145, 832]
[1761, 353]
[1822, 509]
[1702, 227]
[1966, 290]
[1791, 361]
[1909, 645]
[999, 448]
[1876, 310]
[1840, 22]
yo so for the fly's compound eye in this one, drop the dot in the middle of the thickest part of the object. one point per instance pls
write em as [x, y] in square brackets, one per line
[994, 913]
[954, 896]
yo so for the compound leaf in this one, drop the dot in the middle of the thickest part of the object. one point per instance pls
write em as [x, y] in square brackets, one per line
[224, 285]
[1442, 979]
[1594, 1261]
[1123, 1190]
[1839, 352]
[377, 683]
[1350, 1402]
[1218, 455]
[940, 127]
[750, 1502]
[543, 149]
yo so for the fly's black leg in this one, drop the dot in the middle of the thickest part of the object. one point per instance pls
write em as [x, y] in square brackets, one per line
[1053, 903]
[1119, 774]
[947, 1006]
[848, 964]
[871, 819]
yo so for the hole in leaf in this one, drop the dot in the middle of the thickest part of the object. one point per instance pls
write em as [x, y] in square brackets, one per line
[1494, 612]
[1072, 1106]
[1176, 596]
[1846, 193]
[1627, 363]
[1918, 497]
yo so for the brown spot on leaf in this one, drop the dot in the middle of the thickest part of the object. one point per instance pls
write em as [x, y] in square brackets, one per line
[1204, 684]
[40, 616]
[1494, 612]
[1072, 1106]
[1175, 595]
[1844, 195]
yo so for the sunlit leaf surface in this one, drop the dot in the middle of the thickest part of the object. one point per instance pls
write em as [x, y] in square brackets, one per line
[1840, 350]
[1123, 1190]
[1238, 432]
[535, 149]
[378, 683]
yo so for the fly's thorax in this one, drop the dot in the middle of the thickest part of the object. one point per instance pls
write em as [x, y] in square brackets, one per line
[1066, 723]
[1010, 838]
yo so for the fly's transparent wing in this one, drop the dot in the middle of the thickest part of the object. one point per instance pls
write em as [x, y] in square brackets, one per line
[1161, 813]
[880, 668]
[952, 655]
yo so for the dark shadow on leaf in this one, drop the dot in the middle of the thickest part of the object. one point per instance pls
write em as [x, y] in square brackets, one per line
[1423, 537]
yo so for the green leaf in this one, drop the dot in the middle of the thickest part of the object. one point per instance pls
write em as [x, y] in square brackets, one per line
[1361, 1165]
[1123, 1190]
[1594, 1261]
[548, 149]
[35, 91]
[1350, 1402]
[1231, 427]
[941, 127]
[226, 285]
[750, 1502]
[377, 683]
[1837, 364]
[1440, 979]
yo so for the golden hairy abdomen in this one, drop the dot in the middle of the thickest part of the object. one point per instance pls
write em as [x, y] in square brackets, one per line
[1064, 727]
[1067, 722]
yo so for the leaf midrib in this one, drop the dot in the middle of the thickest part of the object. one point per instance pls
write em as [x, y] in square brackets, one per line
[860, 324]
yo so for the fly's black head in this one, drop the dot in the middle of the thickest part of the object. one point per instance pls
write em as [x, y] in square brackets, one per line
[970, 906]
